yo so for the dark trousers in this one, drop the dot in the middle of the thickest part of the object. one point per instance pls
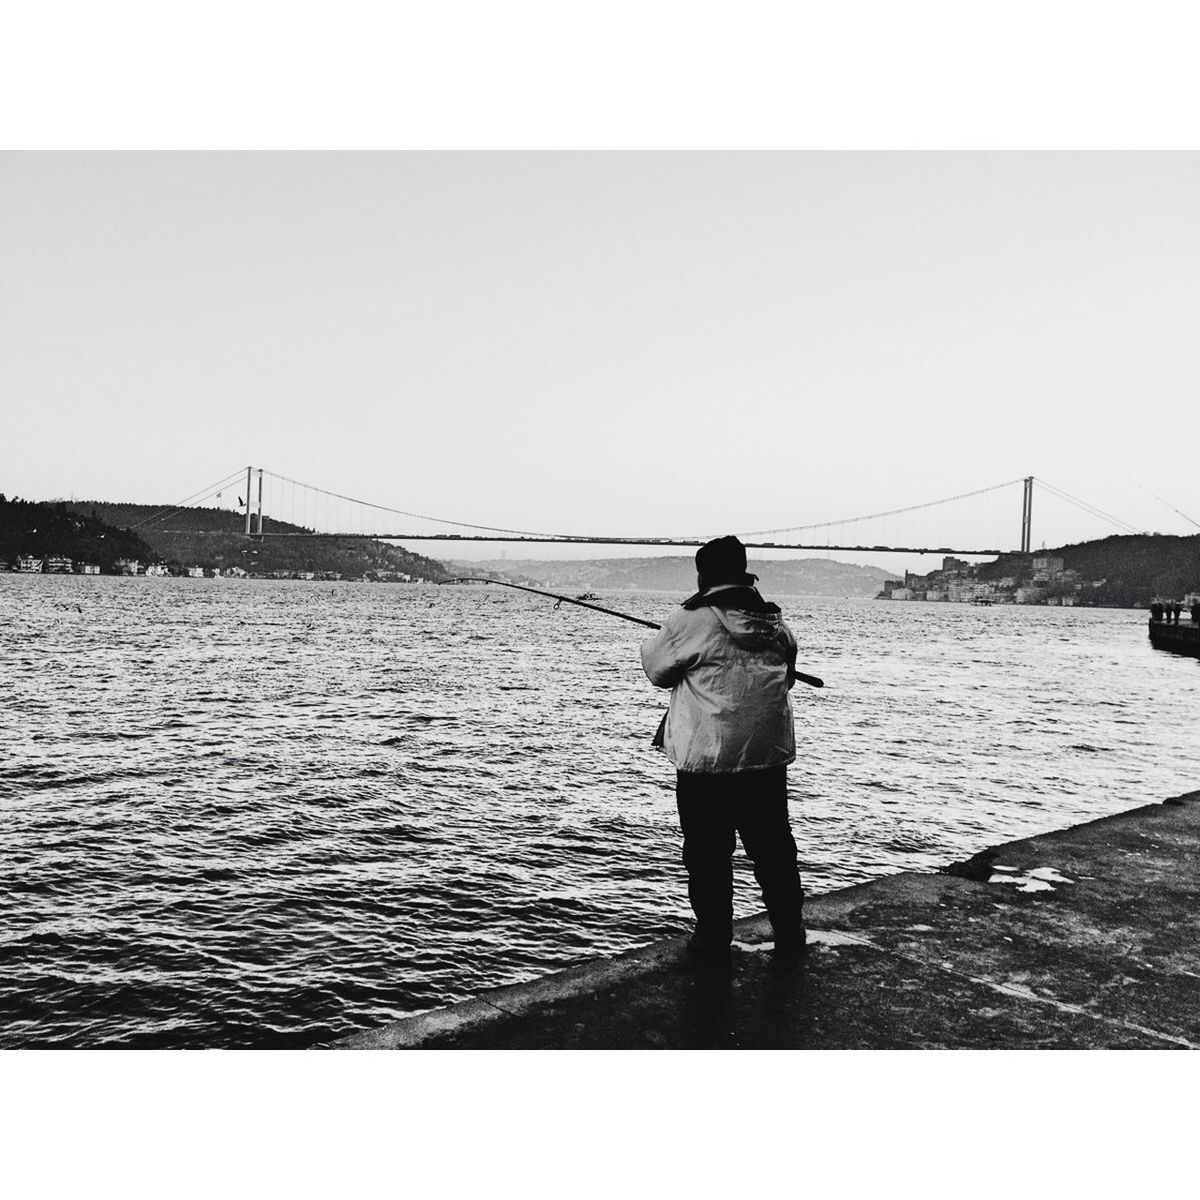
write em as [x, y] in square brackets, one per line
[713, 811]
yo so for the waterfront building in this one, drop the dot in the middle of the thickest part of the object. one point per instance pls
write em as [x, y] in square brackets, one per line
[157, 570]
[57, 565]
[966, 591]
[88, 568]
[1050, 563]
[29, 565]
[128, 566]
[1046, 568]
[195, 572]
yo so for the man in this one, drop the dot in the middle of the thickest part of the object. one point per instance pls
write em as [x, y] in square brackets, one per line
[729, 660]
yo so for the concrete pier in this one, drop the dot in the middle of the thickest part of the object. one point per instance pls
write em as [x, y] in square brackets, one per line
[1085, 938]
[1182, 639]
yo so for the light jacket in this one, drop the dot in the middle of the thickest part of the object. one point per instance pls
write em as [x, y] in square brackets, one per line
[729, 670]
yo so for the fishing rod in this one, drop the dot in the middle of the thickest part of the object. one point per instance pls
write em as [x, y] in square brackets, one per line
[811, 680]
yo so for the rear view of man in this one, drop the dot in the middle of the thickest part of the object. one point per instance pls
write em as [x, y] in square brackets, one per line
[729, 660]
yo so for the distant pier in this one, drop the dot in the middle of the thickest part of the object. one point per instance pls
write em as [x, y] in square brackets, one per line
[1182, 638]
[1083, 938]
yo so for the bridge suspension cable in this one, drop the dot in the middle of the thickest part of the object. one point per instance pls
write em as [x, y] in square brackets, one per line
[1172, 507]
[446, 529]
[1089, 508]
[894, 512]
[205, 493]
[399, 512]
[679, 538]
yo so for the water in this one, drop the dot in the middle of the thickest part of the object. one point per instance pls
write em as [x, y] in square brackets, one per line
[241, 813]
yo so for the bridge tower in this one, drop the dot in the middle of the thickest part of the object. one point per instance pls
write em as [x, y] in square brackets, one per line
[1027, 516]
[249, 517]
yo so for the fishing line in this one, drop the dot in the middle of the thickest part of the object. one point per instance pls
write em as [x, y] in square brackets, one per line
[811, 680]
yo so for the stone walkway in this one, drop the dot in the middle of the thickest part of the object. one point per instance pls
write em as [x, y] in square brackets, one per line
[1084, 938]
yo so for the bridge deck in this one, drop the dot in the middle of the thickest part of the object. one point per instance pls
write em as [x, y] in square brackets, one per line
[601, 541]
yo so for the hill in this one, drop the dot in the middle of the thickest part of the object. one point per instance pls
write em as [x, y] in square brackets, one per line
[46, 529]
[677, 573]
[171, 538]
[1134, 568]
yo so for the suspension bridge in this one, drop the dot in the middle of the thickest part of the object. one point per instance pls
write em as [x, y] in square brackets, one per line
[270, 505]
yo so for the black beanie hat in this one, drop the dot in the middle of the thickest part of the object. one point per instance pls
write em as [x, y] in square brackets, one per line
[723, 560]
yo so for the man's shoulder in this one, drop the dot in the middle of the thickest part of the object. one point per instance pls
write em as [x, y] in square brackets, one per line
[682, 619]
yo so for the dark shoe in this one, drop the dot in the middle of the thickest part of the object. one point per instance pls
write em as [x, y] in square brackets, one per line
[708, 956]
[788, 952]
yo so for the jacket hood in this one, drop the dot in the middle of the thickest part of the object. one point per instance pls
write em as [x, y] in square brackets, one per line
[749, 620]
[750, 629]
[731, 596]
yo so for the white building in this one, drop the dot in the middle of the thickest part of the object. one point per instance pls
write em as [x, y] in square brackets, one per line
[1050, 563]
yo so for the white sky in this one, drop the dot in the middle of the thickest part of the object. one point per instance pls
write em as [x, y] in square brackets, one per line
[612, 343]
[687, 342]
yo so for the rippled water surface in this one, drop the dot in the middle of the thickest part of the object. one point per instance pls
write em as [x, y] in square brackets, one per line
[241, 813]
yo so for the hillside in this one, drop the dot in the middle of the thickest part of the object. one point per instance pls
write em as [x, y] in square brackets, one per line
[1134, 567]
[796, 577]
[44, 529]
[170, 539]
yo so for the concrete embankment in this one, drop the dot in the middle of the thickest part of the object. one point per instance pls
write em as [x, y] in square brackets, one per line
[1088, 937]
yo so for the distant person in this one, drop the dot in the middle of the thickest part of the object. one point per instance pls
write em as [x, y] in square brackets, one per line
[1176, 609]
[1156, 611]
[729, 660]
[1196, 613]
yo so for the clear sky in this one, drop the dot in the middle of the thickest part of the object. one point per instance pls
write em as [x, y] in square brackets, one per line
[613, 343]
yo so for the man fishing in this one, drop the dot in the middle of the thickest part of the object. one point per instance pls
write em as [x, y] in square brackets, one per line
[730, 661]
